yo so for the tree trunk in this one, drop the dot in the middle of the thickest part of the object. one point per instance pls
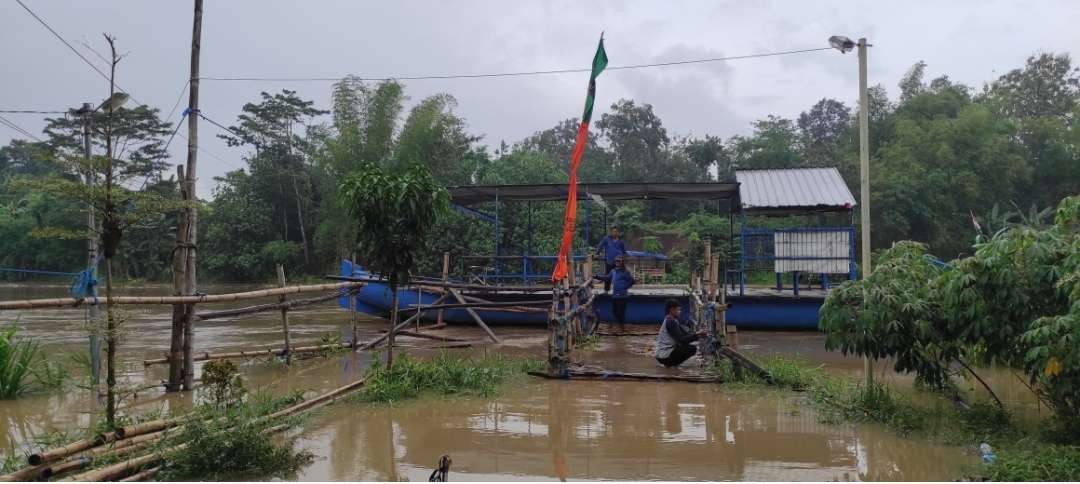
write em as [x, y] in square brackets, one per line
[110, 349]
[393, 327]
[300, 220]
[179, 267]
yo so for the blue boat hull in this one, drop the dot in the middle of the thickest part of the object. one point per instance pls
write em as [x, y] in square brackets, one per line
[746, 312]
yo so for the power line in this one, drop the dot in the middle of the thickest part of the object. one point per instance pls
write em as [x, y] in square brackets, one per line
[18, 129]
[106, 76]
[519, 73]
[68, 44]
[29, 111]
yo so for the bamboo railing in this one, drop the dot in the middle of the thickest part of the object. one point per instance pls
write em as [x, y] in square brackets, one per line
[199, 299]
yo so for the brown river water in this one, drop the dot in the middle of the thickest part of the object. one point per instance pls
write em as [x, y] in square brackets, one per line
[533, 430]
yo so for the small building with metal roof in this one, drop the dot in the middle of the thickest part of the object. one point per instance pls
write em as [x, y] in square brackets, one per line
[795, 190]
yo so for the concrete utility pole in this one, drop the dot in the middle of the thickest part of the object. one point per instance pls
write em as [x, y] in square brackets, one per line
[191, 209]
[93, 312]
[844, 44]
[864, 179]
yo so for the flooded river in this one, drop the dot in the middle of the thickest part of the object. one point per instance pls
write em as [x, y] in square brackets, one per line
[534, 430]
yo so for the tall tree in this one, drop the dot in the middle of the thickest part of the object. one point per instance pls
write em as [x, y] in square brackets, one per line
[823, 130]
[276, 127]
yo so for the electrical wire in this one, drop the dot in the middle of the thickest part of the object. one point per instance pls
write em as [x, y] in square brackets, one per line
[68, 44]
[102, 73]
[517, 74]
[29, 111]
[18, 129]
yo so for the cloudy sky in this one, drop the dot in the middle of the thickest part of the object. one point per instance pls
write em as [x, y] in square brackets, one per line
[971, 41]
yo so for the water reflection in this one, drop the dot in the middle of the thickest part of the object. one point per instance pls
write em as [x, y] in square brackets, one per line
[583, 430]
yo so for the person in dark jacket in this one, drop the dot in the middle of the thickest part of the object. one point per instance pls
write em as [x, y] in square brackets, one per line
[612, 246]
[622, 279]
[673, 342]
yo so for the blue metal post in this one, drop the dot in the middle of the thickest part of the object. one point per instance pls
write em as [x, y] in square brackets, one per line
[528, 247]
[779, 281]
[795, 281]
[497, 265]
[742, 255]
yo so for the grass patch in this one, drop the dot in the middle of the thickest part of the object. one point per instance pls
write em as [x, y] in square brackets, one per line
[589, 342]
[1022, 455]
[1038, 462]
[443, 375]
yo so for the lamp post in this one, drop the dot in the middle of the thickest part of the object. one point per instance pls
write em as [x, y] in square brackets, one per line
[844, 44]
[86, 112]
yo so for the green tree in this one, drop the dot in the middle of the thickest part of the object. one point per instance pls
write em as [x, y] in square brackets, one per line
[281, 162]
[393, 214]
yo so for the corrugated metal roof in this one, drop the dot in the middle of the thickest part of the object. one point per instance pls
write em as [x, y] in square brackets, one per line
[793, 189]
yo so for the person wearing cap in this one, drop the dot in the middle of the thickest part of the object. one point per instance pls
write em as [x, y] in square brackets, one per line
[612, 246]
[621, 279]
[673, 342]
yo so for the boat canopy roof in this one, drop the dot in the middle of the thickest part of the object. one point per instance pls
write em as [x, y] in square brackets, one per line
[473, 194]
[793, 191]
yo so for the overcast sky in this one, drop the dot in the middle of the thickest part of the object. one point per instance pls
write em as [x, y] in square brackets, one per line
[971, 41]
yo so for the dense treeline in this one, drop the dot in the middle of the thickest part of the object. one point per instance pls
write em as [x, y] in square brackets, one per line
[942, 153]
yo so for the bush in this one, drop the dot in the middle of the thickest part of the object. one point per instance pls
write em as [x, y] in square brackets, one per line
[233, 450]
[443, 375]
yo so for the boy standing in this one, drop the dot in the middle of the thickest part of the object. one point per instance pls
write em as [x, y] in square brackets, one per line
[612, 246]
[622, 279]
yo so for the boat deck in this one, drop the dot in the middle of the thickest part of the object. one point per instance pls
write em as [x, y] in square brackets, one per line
[662, 290]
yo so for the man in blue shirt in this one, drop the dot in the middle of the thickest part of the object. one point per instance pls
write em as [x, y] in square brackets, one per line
[622, 279]
[612, 246]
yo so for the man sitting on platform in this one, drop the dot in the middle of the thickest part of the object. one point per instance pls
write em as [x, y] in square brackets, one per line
[673, 341]
[622, 279]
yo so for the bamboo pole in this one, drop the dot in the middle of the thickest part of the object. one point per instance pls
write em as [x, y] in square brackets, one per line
[169, 300]
[435, 337]
[284, 314]
[253, 353]
[445, 280]
[580, 374]
[354, 315]
[476, 317]
[179, 266]
[436, 283]
[291, 304]
[143, 476]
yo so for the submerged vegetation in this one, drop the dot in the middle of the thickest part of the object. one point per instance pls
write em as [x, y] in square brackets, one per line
[238, 446]
[443, 375]
[1023, 454]
[1016, 301]
[24, 368]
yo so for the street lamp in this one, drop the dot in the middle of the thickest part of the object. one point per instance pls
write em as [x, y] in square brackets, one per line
[844, 44]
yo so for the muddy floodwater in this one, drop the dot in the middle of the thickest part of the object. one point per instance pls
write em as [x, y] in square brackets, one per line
[533, 430]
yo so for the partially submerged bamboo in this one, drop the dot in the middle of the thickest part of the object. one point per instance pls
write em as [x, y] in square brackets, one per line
[581, 374]
[253, 353]
[435, 337]
[204, 298]
[476, 317]
[295, 303]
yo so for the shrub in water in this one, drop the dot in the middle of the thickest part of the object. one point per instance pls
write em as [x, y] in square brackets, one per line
[443, 375]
